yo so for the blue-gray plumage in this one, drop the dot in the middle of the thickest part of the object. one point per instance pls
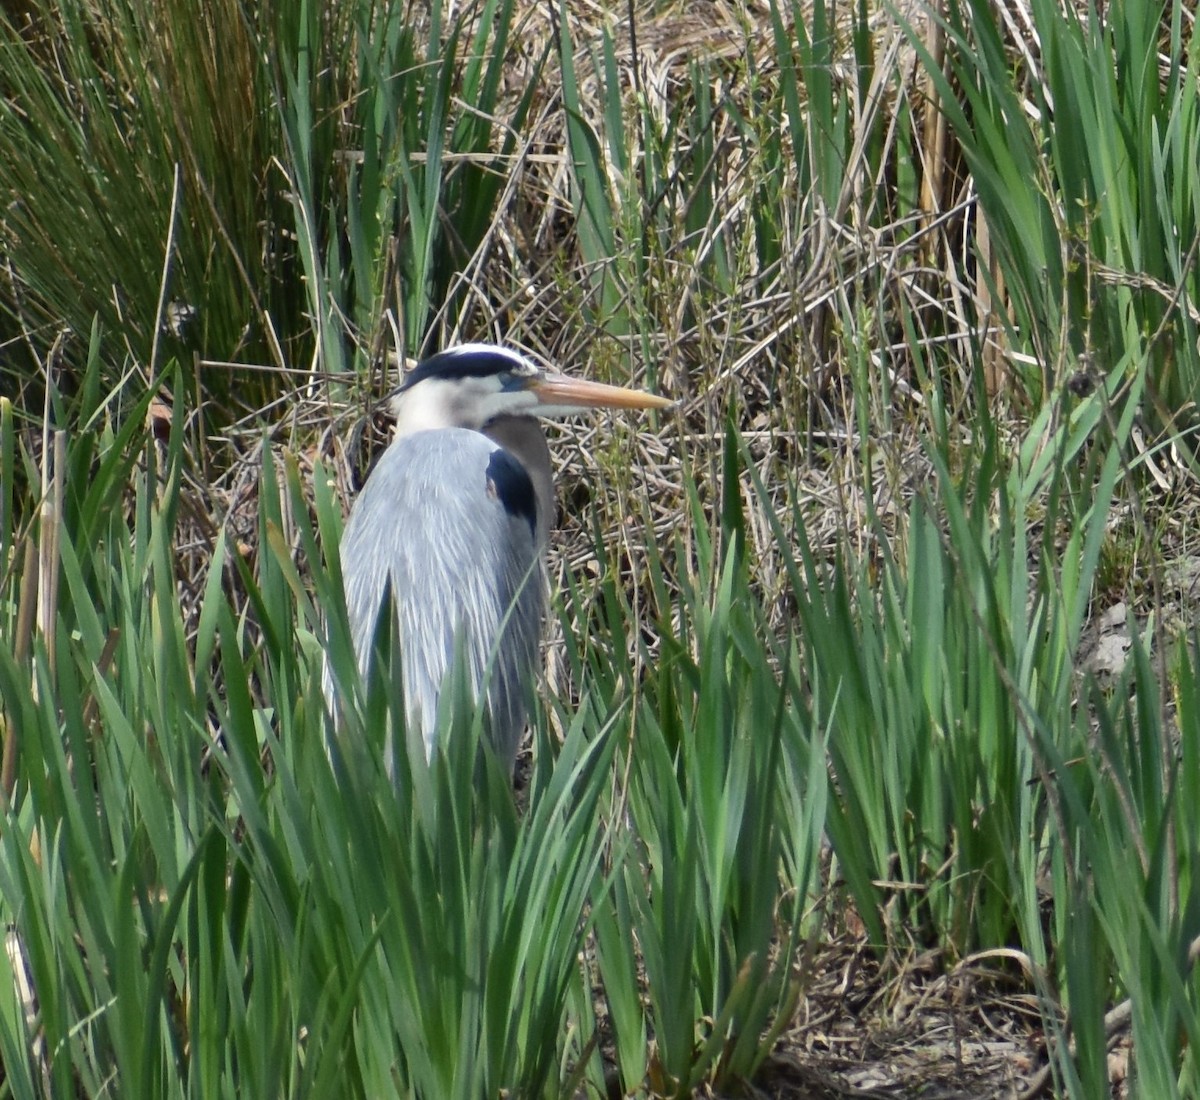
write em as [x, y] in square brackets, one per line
[453, 521]
[447, 478]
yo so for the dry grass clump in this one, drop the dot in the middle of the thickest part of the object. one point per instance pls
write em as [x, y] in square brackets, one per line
[771, 333]
[799, 322]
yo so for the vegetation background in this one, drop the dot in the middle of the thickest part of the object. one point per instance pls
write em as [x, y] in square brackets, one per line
[869, 755]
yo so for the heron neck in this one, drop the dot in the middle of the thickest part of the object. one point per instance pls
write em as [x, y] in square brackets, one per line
[523, 438]
[426, 407]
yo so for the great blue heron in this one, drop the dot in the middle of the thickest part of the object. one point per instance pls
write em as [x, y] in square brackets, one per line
[454, 518]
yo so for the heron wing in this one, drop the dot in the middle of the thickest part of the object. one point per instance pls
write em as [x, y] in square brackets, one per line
[450, 519]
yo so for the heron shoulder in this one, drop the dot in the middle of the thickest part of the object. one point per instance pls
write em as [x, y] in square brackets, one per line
[510, 484]
[451, 479]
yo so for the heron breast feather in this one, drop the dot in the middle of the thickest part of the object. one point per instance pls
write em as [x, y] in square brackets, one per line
[448, 519]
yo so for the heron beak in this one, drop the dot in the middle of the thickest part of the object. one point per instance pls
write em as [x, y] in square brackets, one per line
[558, 391]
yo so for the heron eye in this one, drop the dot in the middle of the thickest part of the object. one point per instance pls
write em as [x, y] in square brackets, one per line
[515, 381]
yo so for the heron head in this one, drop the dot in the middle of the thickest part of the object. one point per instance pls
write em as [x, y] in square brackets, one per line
[472, 385]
